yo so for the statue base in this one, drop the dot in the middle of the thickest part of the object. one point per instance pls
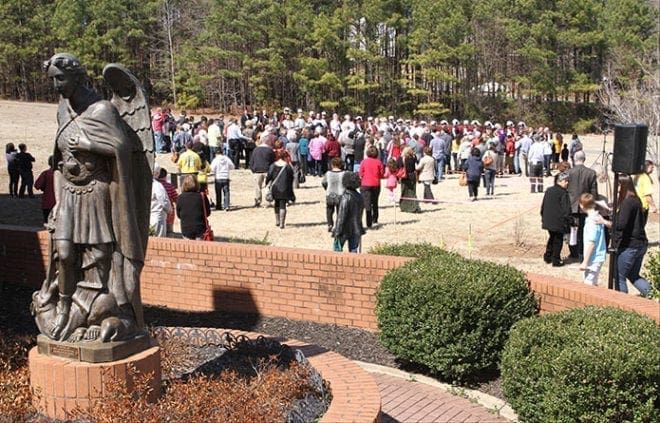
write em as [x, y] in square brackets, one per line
[60, 385]
[94, 351]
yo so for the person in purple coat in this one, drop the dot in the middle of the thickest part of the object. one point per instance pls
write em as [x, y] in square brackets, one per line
[473, 168]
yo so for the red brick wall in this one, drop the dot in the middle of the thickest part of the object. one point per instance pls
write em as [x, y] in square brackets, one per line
[560, 294]
[319, 286]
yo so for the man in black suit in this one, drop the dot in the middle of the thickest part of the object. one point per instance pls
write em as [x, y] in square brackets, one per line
[555, 216]
[582, 180]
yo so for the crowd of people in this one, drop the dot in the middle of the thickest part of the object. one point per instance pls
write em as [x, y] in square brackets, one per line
[409, 151]
[354, 156]
[283, 150]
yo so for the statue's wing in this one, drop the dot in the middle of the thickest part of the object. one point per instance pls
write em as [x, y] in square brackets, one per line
[130, 99]
[135, 165]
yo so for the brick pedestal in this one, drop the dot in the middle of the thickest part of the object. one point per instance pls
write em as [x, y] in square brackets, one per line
[60, 385]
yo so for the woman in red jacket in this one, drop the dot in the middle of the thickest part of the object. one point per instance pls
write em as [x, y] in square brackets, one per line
[371, 172]
[331, 149]
[510, 150]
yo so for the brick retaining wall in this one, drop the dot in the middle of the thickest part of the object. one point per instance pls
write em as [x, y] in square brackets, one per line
[313, 285]
[559, 294]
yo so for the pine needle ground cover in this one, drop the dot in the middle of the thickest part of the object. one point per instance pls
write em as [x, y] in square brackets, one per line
[251, 381]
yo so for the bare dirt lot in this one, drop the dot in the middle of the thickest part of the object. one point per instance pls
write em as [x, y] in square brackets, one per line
[505, 228]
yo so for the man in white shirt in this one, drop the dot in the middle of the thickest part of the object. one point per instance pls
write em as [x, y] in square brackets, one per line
[221, 167]
[535, 158]
[213, 135]
[300, 122]
[287, 122]
[347, 126]
[236, 140]
[525, 144]
[335, 124]
[160, 206]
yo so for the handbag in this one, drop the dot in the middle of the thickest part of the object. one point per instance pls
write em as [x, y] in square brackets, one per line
[462, 180]
[269, 191]
[208, 233]
[488, 160]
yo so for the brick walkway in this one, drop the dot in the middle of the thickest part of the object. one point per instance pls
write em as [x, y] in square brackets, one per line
[407, 401]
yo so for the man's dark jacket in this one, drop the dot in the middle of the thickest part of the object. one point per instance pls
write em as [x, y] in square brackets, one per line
[261, 159]
[581, 180]
[556, 210]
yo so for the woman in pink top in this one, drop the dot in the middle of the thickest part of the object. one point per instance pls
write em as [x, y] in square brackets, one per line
[392, 178]
[371, 172]
[316, 149]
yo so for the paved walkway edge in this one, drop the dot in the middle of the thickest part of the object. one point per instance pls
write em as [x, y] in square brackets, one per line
[490, 402]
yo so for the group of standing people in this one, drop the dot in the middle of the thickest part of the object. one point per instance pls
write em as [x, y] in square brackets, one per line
[19, 166]
[573, 209]
[411, 152]
[282, 152]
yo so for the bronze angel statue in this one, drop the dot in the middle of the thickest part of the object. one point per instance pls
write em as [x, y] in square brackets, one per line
[99, 227]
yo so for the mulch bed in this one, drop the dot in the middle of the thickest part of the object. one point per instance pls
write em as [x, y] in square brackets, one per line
[355, 344]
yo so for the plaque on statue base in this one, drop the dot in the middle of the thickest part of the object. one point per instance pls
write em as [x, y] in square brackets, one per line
[59, 385]
[94, 351]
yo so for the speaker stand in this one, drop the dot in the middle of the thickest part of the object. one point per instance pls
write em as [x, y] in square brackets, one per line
[613, 275]
[603, 160]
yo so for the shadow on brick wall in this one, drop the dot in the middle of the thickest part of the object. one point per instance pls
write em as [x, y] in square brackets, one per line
[234, 299]
[22, 254]
[232, 309]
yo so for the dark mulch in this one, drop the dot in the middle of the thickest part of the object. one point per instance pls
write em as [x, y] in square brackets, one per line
[355, 344]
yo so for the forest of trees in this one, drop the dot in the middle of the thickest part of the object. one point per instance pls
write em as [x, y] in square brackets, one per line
[551, 60]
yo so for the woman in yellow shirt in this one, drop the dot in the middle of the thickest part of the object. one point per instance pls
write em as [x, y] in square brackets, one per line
[645, 190]
[556, 148]
[455, 147]
[202, 178]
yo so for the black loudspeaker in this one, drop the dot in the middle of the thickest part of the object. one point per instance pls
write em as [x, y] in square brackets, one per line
[629, 148]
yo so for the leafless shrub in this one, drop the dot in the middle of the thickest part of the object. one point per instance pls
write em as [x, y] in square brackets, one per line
[634, 99]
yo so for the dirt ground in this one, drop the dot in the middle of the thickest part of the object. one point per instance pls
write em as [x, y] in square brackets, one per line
[505, 228]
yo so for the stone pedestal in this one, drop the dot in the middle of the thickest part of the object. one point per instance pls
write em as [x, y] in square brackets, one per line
[59, 385]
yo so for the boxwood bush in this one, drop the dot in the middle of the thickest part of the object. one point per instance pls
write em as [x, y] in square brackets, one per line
[407, 249]
[451, 314]
[584, 365]
[652, 271]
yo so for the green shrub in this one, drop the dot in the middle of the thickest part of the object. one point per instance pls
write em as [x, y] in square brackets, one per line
[584, 365]
[451, 314]
[652, 271]
[408, 249]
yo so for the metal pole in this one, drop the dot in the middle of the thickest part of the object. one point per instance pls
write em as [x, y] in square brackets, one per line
[470, 241]
[394, 207]
[613, 276]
